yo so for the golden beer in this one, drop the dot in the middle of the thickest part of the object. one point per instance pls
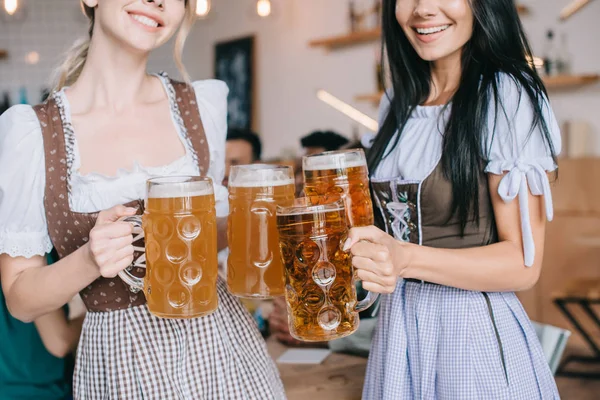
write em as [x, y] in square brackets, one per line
[180, 231]
[319, 276]
[254, 268]
[340, 175]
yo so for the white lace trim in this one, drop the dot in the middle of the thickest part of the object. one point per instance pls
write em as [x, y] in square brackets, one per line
[25, 244]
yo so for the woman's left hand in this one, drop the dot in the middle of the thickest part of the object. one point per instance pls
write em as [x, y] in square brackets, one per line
[379, 259]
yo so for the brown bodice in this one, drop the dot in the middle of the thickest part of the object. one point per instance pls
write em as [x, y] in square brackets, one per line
[70, 230]
[420, 212]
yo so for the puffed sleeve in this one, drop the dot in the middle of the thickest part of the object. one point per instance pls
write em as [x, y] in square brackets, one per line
[520, 150]
[211, 96]
[23, 227]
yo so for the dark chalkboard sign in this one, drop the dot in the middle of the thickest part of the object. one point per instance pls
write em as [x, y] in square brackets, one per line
[234, 64]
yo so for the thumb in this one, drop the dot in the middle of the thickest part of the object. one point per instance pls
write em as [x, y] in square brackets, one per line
[113, 214]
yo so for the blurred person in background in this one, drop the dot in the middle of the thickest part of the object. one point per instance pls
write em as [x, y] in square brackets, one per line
[314, 143]
[319, 141]
[243, 147]
[36, 359]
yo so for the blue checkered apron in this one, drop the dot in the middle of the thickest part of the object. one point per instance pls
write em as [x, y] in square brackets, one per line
[439, 342]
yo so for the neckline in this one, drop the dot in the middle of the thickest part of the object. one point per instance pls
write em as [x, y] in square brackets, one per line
[421, 111]
[75, 155]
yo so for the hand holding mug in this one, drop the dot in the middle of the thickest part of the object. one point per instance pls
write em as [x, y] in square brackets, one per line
[379, 259]
[110, 245]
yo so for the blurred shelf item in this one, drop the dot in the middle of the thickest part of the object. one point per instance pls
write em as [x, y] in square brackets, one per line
[351, 39]
[373, 97]
[3, 54]
[360, 37]
[554, 82]
[573, 7]
[570, 81]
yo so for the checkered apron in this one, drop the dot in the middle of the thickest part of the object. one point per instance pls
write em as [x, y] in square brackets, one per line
[125, 352]
[132, 355]
[439, 342]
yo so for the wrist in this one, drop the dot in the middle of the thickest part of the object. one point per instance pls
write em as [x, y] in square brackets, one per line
[87, 262]
[404, 251]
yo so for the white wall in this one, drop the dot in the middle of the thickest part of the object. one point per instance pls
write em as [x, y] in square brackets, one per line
[582, 104]
[288, 71]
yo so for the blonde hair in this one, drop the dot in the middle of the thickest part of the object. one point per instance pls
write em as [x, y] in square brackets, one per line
[68, 72]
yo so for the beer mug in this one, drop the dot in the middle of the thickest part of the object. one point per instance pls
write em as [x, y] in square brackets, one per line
[180, 229]
[320, 288]
[254, 268]
[340, 174]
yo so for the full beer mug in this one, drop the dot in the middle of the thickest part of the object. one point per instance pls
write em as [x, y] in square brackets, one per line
[180, 229]
[254, 268]
[340, 175]
[320, 288]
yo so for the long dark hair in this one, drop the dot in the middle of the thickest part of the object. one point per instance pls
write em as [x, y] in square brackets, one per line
[498, 45]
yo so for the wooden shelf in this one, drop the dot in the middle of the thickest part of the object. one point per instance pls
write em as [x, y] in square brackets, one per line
[3, 54]
[570, 81]
[572, 8]
[347, 40]
[373, 97]
[554, 82]
[354, 38]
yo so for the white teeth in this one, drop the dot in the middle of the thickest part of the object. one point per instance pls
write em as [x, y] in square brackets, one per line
[429, 31]
[145, 20]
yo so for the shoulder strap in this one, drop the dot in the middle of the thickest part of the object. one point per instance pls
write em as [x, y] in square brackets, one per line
[55, 155]
[190, 114]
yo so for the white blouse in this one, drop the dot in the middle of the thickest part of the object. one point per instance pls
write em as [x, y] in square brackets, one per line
[511, 147]
[23, 227]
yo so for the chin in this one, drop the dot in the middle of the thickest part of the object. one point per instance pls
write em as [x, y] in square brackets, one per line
[430, 55]
[140, 44]
[436, 54]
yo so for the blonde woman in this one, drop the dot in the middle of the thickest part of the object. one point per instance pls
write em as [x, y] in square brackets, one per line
[77, 164]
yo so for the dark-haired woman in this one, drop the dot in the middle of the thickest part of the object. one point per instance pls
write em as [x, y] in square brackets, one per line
[460, 178]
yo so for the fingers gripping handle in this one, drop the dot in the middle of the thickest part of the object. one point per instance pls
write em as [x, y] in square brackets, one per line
[135, 284]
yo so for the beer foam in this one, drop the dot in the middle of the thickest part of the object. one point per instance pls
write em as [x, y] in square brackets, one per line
[258, 175]
[310, 210]
[179, 187]
[333, 165]
[327, 161]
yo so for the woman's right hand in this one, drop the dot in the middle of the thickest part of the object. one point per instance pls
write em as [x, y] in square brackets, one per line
[110, 245]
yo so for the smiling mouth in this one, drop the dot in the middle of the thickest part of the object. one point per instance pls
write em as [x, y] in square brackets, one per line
[432, 30]
[146, 21]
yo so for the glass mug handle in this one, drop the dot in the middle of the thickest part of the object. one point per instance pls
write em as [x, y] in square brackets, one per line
[367, 302]
[135, 284]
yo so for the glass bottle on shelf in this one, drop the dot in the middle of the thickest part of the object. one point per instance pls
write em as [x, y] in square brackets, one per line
[550, 55]
[563, 61]
[353, 16]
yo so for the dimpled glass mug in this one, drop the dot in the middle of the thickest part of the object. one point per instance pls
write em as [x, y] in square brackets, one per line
[341, 174]
[254, 268]
[180, 229]
[320, 285]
